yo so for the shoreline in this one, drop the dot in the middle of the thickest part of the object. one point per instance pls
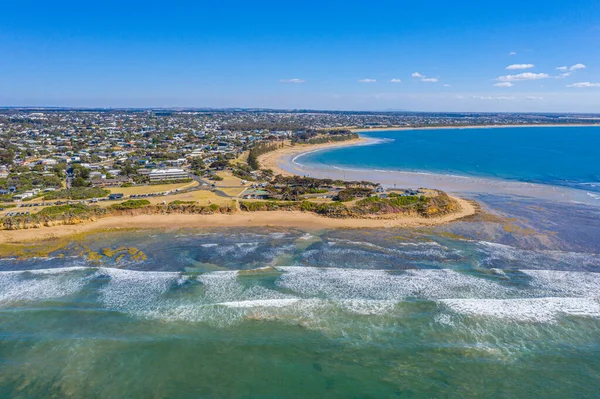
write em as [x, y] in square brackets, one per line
[283, 162]
[399, 128]
[294, 219]
[272, 160]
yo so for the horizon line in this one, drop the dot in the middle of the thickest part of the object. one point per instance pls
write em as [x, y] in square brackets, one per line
[44, 107]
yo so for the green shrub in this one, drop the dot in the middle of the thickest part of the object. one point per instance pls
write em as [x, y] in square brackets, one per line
[130, 204]
[179, 202]
[77, 193]
[64, 209]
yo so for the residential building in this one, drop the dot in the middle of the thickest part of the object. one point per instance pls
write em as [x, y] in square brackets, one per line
[168, 174]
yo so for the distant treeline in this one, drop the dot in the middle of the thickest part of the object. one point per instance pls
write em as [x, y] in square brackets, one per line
[272, 126]
[323, 136]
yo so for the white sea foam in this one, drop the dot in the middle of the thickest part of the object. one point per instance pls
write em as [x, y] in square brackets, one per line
[536, 259]
[312, 296]
[240, 249]
[277, 303]
[306, 236]
[525, 309]
[594, 196]
[278, 235]
[561, 283]
[401, 244]
[134, 292]
[39, 285]
[349, 284]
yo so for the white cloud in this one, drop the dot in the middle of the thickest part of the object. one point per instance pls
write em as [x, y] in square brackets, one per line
[504, 84]
[523, 76]
[367, 81]
[584, 84]
[534, 98]
[563, 68]
[447, 85]
[425, 78]
[396, 80]
[576, 67]
[494, 98]
[519, 66]
[295, 80]
[512, 53]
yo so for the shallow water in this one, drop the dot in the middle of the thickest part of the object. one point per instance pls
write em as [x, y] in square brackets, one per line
[463, 311]
[563, 156]
[558, 164]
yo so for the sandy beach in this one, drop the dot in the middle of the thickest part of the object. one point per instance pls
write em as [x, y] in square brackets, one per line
[283, 162]
[273, 160]
[295, 219]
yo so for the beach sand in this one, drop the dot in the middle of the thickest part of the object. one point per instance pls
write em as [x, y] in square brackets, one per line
[272, 160]
[283, 162]
[295, 219]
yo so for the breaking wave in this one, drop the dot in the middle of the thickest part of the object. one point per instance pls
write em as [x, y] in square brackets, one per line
[313, 296]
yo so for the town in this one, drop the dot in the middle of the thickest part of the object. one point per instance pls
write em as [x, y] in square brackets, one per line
[50, 157]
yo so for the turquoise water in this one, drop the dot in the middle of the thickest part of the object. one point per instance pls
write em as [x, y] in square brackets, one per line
[566, 156]
[268, 313]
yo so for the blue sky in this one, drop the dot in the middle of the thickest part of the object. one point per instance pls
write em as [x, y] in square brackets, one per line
[422, 56]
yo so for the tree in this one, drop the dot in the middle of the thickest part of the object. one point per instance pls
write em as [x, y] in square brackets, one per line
[80, 171]
[197, 164]
[79, 182]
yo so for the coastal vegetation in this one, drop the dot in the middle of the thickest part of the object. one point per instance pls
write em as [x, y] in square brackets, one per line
[80, 213]
[324, 136]
[259, 150]
[77, 193]
[54, 215]
[436, 204]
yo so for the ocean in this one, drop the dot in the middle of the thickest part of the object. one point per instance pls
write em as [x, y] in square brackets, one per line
[505, 304]
[562, 156]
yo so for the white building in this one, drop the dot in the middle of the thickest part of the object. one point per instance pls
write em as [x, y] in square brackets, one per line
[168, 174]
[48, 162]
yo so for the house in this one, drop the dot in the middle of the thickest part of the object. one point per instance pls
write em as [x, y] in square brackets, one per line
[22, 196]
[97, 175]
[168, 174]
[255, 194]
[115, 182]
[48, 162]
